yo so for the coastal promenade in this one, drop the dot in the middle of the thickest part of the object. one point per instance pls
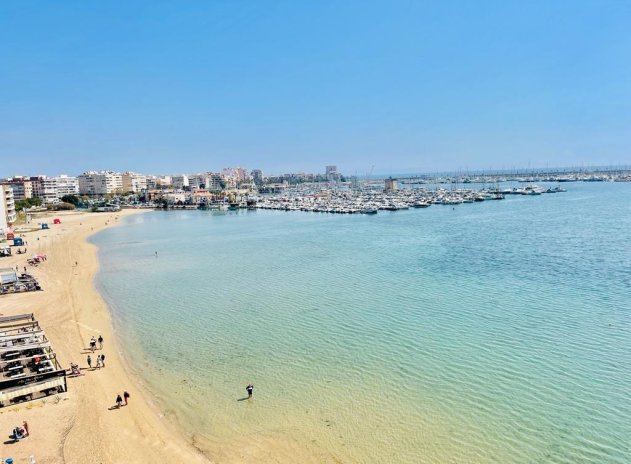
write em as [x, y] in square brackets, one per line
[78, 426]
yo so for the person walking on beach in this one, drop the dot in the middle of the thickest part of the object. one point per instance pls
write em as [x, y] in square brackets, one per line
[119, 401]
[103, 360]
[89, 360]
[249, 389]
[100, 342]
[93, 344]
[126, 396]
[98, 361]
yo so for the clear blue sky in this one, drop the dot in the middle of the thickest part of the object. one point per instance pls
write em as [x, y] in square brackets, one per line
[404, 86]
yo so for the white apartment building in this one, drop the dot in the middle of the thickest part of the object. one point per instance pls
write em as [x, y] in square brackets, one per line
[179, 182]
[133, 182]
[7, 209]
[198, 181]
[67, 185]
[45, 188]
[100, 183]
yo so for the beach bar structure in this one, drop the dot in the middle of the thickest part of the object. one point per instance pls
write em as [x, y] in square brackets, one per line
[28, 365]
[11, 282]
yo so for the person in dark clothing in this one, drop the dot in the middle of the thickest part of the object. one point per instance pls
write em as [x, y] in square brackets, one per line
[249, 389]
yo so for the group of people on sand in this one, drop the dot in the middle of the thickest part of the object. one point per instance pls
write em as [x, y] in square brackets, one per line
[100, 358]
[100, 361]
[119, 399]
[93, 342]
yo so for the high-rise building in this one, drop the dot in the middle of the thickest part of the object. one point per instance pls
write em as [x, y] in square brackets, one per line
[100, 183]
[331, 173]
[133, 182]
[66, 185]
[179, 182]
[215, 182]
[7, 209]
[45, 188]
[257, 176]
[22, 187]
[198, 181]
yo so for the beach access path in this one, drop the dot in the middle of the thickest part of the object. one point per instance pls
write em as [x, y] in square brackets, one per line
[78, 426]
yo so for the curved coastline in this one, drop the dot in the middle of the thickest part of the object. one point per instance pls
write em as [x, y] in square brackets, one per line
[79, 426]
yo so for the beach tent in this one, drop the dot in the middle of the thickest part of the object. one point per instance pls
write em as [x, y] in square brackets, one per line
[10, 235]
[56, 221]
[44, 226]
[18, 241]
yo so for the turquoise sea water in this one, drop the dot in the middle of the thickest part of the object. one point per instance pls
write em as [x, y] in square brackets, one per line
[492, 332]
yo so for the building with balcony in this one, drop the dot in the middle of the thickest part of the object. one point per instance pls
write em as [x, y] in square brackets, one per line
[7, 209]
[100, 183]
[133, 182]
[180, 182]
[45, 188]
[66, 185]
[22, 187]
[215, 182]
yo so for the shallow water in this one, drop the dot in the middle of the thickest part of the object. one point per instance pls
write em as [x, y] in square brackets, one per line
[493, 332]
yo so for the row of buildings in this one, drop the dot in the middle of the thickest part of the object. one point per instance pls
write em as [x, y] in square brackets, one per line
[95, 183]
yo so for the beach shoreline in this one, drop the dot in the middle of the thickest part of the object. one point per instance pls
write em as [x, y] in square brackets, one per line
[78, 426]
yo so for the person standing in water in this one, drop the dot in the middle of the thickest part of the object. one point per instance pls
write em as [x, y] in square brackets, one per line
[249, 389]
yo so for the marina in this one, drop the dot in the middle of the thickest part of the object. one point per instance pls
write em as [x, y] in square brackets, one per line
[372, 200]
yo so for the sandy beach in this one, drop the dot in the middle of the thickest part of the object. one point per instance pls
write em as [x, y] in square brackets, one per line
[78, 426]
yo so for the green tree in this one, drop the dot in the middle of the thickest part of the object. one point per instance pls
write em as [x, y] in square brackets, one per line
[73, 199]
[27, 203]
